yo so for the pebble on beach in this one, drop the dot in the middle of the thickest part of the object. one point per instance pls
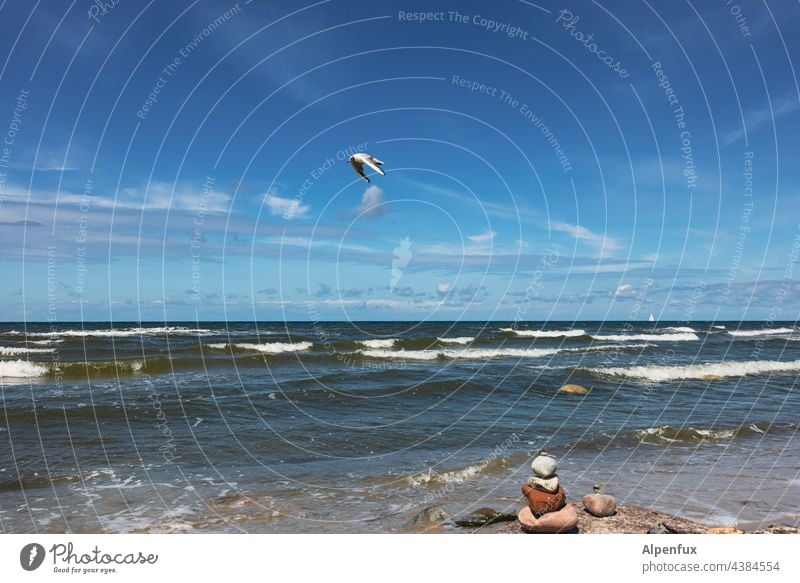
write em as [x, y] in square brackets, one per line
[574, 390]
[564, 520]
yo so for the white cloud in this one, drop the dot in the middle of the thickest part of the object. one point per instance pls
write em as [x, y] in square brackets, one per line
[288, 208]
[483, 237]
[371, 202]
[443, 288]
[606, 245]
[624, 290]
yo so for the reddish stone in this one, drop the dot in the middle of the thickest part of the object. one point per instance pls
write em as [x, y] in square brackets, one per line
[600, 505]
[543, 502]
[564, 520]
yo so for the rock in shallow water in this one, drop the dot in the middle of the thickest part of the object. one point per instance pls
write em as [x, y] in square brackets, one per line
[564, 520]
[600, 505]
[574, 390]
[432, 515]
[543, 502]
[484, 516]
[544, 466]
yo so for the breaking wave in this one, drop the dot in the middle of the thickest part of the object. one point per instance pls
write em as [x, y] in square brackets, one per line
[670, 434]
[458, 340]
[677, 337]
[708, 371]
[546, 333]
[764, 332]
[21, 369]
[266, 348]
[484, 353]
[378, 343]
[175, 330]
[17, 350]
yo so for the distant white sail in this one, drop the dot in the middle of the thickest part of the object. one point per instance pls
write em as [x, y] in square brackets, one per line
[651, 318]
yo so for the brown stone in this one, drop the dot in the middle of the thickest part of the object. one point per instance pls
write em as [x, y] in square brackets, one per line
[573, 390]
[564, 520]
[543, 502]
[724, 530]
[549, 485]
[600, 505]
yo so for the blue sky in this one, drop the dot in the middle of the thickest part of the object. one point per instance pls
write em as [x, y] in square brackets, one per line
[188, 160]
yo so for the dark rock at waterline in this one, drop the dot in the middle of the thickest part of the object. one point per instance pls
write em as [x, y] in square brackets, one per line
[661, 528]
[432, 515]
[484, 516]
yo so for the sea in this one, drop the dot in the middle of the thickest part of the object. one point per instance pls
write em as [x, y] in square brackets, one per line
[307, 427]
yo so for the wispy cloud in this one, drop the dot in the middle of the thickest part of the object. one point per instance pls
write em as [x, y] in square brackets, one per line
[285, 207]
[758, 117]
[483, 237]
[605, 245]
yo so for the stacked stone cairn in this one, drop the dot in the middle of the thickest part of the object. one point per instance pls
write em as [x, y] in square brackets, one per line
[547, 511]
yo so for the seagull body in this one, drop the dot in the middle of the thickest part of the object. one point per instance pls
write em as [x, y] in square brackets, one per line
[357, 161]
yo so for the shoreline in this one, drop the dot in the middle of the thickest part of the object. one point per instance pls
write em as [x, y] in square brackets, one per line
[631, 519]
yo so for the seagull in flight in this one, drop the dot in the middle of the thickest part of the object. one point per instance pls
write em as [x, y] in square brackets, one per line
[357, 161]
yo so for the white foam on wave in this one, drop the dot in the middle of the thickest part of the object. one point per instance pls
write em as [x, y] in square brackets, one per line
[677, 337]
[457, 340]
[546, 333]
[765, 331]
[451, 477]
[16, 350]
[484, 353]
[175, 330]
[21, 369]
[378, 342]
[680, 329]
[267, 348]
[708, 371]
[473, 353]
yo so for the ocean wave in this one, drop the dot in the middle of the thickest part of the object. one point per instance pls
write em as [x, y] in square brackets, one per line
[707, 371]
[680, 329]
[677, 337]
[457, 340]
[378, 342]
[17, 350]
[123, 332]
[671, 434]
[459, 476]
[546, 333]
[764, 332]
[266, 348]
[21, 369]
[486, 353]
[466, 353]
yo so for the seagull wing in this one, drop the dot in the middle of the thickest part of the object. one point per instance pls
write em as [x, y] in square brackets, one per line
[374, 163]
[358, 166]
